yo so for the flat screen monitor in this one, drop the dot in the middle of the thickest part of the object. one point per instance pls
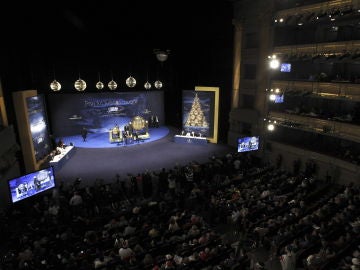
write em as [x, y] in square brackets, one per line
[246, 144]
[279, 98]
[285, 67]
[31, 184]
[39, 126]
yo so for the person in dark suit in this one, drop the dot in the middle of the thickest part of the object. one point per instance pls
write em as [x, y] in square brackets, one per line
[84, 133]
[37, 183]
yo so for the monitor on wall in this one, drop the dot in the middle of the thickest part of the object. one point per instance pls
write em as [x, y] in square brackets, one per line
[246, 144]
[31, 184]
[279, 98]
[285, 67]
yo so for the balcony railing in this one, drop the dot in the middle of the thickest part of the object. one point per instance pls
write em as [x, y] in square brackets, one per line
[329, 90]
[337, 129]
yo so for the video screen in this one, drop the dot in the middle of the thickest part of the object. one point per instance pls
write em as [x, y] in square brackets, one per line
[285, 67]
[39, 126]
[246, 144]
[31, 184]
[279, 98]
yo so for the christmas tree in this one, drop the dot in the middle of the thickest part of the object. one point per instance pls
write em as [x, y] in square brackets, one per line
[196, 117]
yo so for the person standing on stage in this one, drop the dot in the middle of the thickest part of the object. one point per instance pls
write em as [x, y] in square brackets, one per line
[84, 133]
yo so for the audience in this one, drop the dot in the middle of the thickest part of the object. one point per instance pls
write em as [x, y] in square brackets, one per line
[301, 220]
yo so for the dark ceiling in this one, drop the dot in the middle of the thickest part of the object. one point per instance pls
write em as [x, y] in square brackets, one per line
[110, 36]
[47, 39]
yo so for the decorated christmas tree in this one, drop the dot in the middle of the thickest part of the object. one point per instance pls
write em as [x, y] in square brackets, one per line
[196, 117]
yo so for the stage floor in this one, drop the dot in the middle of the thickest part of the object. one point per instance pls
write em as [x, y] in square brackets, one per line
[101, 140]
[105, 163]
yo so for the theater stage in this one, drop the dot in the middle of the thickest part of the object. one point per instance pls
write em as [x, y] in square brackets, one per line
[101, 140]
[92, 162]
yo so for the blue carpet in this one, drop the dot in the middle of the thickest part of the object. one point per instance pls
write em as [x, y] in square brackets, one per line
[101, 140]
[105, 163]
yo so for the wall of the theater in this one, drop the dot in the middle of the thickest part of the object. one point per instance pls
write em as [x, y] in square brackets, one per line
[340, 171]
[9, 164]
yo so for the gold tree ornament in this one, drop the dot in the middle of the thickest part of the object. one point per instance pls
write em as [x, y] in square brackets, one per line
[196, 117]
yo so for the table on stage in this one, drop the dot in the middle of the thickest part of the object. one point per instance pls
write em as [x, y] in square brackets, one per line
[59, 160]
[190, 139]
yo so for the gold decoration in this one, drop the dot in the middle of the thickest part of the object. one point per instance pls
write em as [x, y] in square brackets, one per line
[196, 116]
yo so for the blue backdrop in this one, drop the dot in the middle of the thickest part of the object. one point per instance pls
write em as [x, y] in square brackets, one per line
[99, 112]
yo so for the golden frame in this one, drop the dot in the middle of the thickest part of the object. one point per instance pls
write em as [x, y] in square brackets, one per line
[216, 91]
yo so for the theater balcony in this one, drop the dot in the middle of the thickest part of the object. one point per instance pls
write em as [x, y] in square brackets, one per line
[314, 18]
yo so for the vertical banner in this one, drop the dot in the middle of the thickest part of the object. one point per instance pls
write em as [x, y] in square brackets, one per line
[200, 112]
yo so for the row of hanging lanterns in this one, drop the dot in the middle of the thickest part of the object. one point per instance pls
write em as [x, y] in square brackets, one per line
[80, 84]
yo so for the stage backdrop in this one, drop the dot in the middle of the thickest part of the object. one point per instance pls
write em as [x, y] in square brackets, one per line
[200, 112]
[99, 112]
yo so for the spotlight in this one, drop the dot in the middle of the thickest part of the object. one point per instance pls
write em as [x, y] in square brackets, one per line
[274, 63]
[272, 97]
[270, 127]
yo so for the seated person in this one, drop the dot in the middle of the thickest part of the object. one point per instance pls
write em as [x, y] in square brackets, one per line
[127, 136]
[61, 143]
[116, 132]
[135, 136]
[58, 150]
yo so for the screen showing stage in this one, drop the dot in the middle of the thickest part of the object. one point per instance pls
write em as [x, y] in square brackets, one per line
[285, 67]
[279, 98]
[99, 112]
[198, 112]
[246, 144]
[31, 184]
[38, 126]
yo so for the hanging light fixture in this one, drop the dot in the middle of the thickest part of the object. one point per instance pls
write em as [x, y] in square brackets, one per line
[80, 84]
[147, 85]
[131, 82]
[99, 84]
[55, 85]
[112, 84]
[161, 55]
[158, 84]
